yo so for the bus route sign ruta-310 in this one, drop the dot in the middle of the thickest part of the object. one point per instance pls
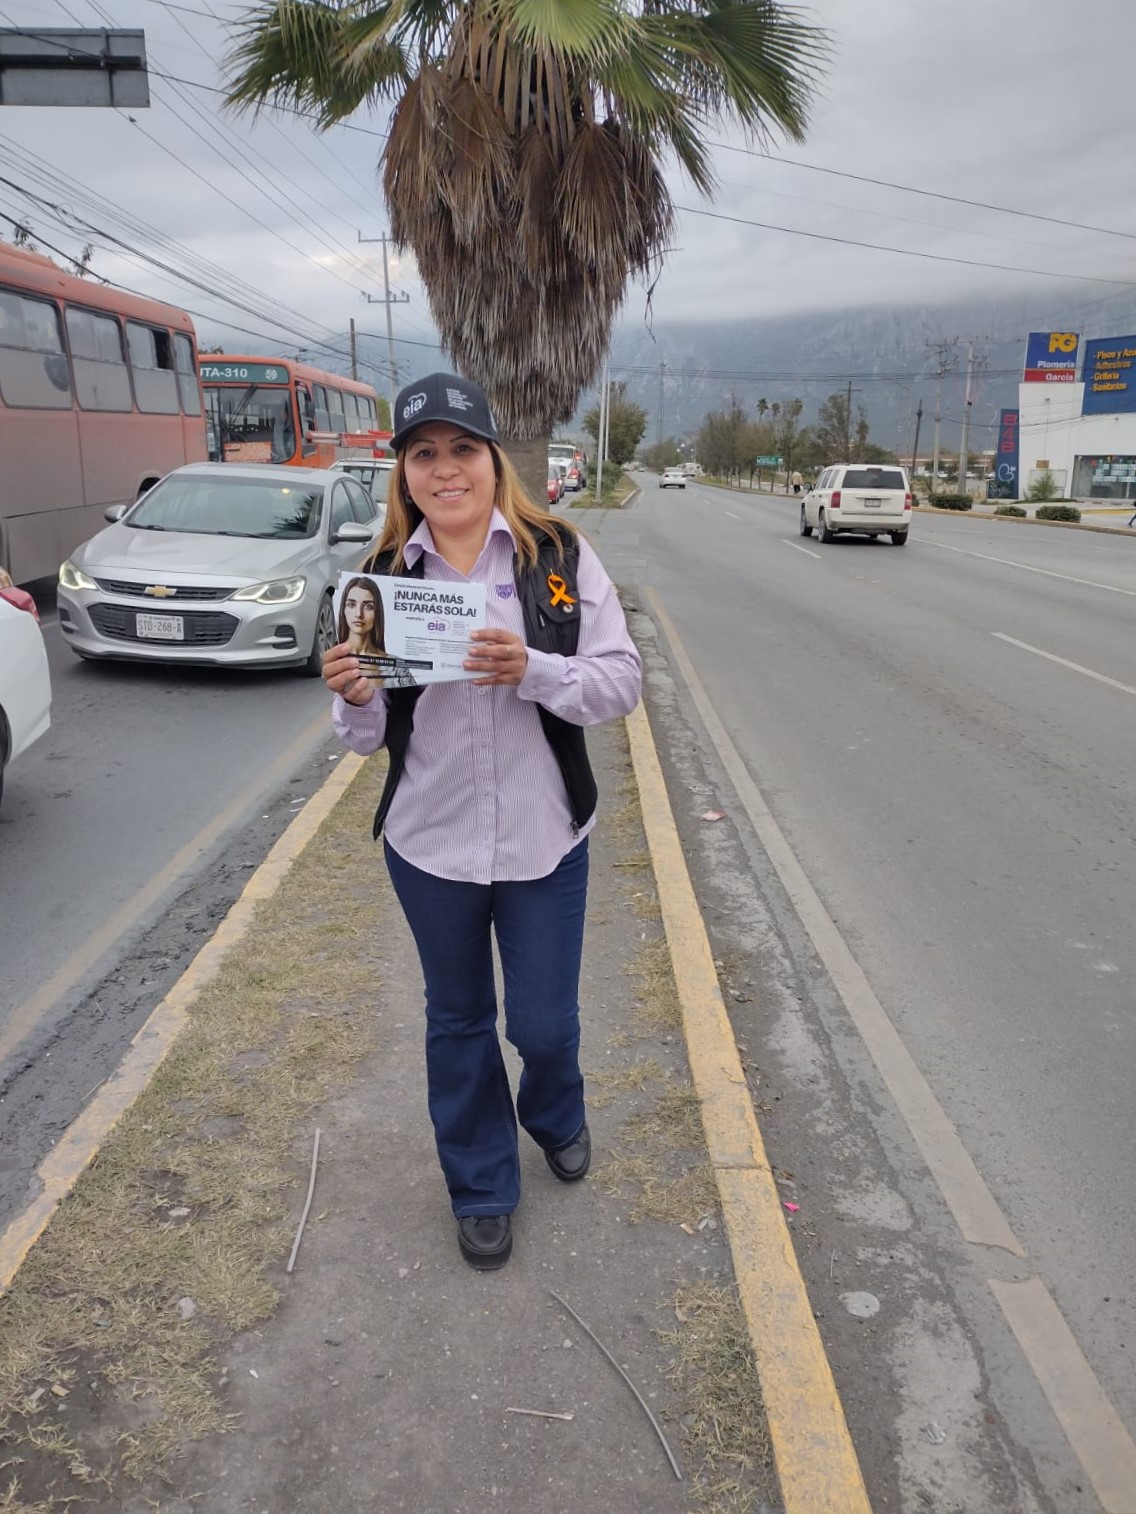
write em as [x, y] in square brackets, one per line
[243, 373]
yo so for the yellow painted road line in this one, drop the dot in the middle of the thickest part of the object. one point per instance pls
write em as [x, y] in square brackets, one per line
[816, 1462]
[59, 1171]
[1094, 1429]
[970, 1201]
[1076, 667]
[26, 1016]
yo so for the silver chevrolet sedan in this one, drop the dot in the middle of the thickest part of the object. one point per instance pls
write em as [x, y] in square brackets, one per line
[219, 563]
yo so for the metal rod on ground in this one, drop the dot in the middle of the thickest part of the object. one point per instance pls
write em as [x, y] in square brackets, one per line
[675, 1468]
[307, 1202]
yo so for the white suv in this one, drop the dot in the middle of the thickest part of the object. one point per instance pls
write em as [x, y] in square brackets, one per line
[869, 498]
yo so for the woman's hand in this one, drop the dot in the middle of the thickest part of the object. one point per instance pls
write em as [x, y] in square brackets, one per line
[341, 674]
[499, 656]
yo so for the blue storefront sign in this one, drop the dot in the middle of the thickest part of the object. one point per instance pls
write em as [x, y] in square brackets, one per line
[1004, 484]
[1110, 376]
[1051, 357]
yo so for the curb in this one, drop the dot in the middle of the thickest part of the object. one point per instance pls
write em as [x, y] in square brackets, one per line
[816, 1463]
[80, 1143]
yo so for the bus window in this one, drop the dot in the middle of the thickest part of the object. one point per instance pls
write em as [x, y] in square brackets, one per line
[188, 387]
[350, 413]
[151, 359]
[33, 366]
[252, 424]
[323, 419]
[101, 379]
[335, 409]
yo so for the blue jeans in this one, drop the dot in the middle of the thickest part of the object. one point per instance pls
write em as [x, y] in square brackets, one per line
[539, 926]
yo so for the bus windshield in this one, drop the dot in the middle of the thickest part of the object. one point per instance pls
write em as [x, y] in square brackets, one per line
[249, 424]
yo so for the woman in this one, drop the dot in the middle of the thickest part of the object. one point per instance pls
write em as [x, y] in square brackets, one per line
[361, 627]
[486, 832]
[361, 618]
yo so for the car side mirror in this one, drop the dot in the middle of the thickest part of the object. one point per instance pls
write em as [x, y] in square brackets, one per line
[115, 512]
[352, 530]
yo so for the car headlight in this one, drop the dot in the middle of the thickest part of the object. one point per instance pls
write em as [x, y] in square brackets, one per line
[278, 591]
[71, 577]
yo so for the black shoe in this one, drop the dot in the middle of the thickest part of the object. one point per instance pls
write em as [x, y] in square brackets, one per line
[570, 1163]
[486, 1240]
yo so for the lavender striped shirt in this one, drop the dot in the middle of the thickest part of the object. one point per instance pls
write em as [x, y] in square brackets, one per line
[481, 799]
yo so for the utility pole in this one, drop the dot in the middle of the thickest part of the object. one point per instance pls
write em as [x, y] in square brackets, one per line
[659, 416]
[601, 432]
[968, 403]
[915, 443]
[943, 348]
[354, 346]
[388, 300]
[848, 424]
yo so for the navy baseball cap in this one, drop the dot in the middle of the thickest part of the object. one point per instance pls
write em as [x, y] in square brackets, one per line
[442, 397]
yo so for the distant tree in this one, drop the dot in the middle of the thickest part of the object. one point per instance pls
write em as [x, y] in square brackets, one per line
[787, 433]
[870, 453]
[842, 434]
[627, 422]
[660, 455]
[762, 409]
[22, 236]
[82, 264]
[384, 409]
[727, 441]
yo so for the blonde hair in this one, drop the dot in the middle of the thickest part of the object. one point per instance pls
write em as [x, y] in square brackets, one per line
[524, 518]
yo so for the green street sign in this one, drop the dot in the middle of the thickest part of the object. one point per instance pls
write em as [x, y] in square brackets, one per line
[768, 462]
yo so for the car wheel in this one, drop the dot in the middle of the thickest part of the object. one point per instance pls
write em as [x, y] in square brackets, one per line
[324, 638]
[823, 531]
[805, 528]
[899, 538]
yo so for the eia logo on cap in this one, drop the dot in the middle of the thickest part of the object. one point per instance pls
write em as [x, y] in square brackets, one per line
[413, 405]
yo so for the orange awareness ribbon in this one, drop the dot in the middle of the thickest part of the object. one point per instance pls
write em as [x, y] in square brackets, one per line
[560, 594]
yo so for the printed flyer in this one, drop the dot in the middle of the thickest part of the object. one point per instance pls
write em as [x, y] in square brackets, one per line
[408, 632]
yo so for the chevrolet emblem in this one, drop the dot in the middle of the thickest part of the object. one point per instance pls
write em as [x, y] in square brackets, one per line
[159, 591]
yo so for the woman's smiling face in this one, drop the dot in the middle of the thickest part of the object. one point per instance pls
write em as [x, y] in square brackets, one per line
[359, 611]
[451, 477]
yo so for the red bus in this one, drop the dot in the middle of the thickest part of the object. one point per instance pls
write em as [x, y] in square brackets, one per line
[99, 399]
[274, 410]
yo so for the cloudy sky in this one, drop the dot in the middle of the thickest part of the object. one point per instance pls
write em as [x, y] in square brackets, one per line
[1008, 102]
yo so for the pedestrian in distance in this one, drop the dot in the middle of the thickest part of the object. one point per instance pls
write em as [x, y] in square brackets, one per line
[797, 482]
[490, 798]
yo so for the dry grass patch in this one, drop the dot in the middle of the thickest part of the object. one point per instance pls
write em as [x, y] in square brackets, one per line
[680, 1198]
[193, 1195]
[714, 1371]
[657, 1007]
[674, 1120]
[636, 1075]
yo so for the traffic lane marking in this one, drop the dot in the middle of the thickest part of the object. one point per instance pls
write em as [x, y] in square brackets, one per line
[77, 1147]
[1026, 567]
[26, 1016]
[1091, 1424]
[974, 1207]
[796, 546]
[816, 1463]
[732, 516]
[1113, 683]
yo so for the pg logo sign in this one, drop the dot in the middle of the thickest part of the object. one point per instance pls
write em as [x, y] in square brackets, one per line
[1051, 357]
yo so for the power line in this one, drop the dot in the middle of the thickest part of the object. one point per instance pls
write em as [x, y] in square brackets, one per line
[930, 194]
[906, 252]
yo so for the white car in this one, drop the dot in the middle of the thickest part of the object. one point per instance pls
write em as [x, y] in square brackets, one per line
[869, 499]
[25, 682]
[373, 473]
[673, 478]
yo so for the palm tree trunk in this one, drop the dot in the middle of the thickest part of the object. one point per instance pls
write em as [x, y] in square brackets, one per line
[530, 458]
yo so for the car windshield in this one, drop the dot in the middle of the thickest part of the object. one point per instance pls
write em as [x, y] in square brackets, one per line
[874, 478]
[215, 505]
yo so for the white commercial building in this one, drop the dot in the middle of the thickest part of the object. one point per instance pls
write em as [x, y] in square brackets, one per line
[1091, 456]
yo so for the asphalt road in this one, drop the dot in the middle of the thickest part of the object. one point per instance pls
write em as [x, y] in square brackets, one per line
[124, 834]
[964, 804]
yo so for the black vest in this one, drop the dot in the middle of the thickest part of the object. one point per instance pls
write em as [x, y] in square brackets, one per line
[552, 624]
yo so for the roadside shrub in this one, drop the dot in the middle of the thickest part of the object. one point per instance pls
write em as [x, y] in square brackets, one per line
[1010, 510]
[951, 501]
[1043, 488]
[1058, 512]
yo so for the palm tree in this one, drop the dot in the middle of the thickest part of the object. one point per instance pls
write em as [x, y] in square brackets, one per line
[524, 166]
